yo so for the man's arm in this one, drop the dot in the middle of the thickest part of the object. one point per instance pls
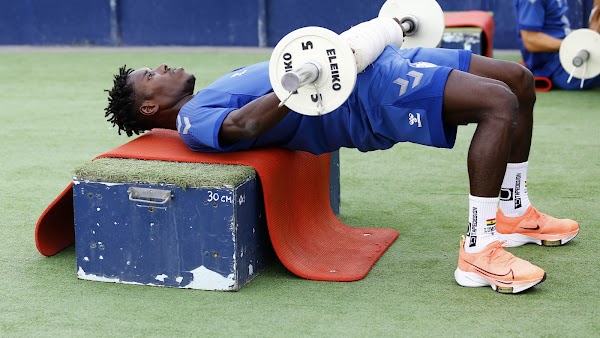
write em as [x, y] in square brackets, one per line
[252, 120]
[538, 42]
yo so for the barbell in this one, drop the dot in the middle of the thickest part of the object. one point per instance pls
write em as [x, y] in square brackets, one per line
[313, 70]
[580, 54]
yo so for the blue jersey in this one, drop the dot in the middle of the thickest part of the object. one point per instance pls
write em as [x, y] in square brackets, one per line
[394, 100]
[207, 110]
[546, 16]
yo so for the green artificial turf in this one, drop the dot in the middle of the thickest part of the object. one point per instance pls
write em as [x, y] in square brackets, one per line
[184, 175]
[52, 121]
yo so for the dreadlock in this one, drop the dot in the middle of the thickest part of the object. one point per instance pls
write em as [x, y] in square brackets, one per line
[121, 110]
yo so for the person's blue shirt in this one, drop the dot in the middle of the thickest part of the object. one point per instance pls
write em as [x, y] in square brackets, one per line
[207, 110]
[378, 114]
[546, 16]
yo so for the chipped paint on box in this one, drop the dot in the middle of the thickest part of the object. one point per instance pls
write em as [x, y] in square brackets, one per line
[205, 279]
[203, 238]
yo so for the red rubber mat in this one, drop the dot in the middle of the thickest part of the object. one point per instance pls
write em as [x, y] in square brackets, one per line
[307, 236]
[480, 19]
[542, 84]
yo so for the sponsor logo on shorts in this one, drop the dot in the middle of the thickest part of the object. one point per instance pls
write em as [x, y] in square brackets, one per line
[423, 64]
[236, 74]
[414, 119]
[412, 76]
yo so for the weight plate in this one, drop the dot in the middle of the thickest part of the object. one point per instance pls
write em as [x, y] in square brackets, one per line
[333, 56]
[574, 42]
[430, 20]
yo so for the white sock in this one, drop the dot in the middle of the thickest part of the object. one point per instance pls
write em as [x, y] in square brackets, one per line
[482, 223]
[514, 199]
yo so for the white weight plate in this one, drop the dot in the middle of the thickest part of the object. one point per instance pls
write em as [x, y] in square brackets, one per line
[574, 42]
[428, 13]
[325, 48]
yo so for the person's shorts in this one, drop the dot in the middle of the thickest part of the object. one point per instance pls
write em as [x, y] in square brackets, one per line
[404, 94]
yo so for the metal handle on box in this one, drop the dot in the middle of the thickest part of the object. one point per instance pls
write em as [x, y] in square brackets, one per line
[149, 195]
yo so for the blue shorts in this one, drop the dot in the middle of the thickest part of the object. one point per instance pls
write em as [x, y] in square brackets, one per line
[405, 94]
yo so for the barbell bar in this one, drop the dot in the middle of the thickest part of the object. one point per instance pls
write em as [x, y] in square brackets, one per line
[313, 70]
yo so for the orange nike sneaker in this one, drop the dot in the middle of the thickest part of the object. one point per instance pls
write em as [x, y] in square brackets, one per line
[535, 227]
[496, 267]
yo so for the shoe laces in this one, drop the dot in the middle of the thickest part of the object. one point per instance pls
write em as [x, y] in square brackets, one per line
[498, 255]
[540, 218]
[536, 215]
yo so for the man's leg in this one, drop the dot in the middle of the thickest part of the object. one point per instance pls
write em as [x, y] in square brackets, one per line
[521, 83]
[494, 107]
[517, 221]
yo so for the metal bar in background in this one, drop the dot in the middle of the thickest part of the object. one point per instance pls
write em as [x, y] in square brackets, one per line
[262, 23]
[115, 26]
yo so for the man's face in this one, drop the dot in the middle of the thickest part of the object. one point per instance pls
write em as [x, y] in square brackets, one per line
[163, 86]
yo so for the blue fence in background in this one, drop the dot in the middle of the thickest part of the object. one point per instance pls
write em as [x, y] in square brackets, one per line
[38, 22]
[213, 22]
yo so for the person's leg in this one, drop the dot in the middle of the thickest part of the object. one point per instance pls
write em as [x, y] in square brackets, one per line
[493, 106]
[490, 104]
[517, 221]
[511, 74]
[446, 97]
[520, 81]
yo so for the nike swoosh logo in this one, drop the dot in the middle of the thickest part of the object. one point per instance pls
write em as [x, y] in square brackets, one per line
[494, 275]
[537, 227]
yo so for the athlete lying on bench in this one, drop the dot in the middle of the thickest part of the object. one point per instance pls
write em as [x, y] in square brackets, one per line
[239, 111]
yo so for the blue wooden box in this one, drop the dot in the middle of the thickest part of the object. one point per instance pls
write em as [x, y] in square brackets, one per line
[208, 237]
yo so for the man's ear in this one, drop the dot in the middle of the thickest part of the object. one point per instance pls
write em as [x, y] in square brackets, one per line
[148, 108]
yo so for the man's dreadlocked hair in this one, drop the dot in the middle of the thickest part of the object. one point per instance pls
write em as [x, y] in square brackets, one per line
[122, 105]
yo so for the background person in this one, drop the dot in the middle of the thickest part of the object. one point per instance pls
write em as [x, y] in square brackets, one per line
[542, 25]
[594, 21]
